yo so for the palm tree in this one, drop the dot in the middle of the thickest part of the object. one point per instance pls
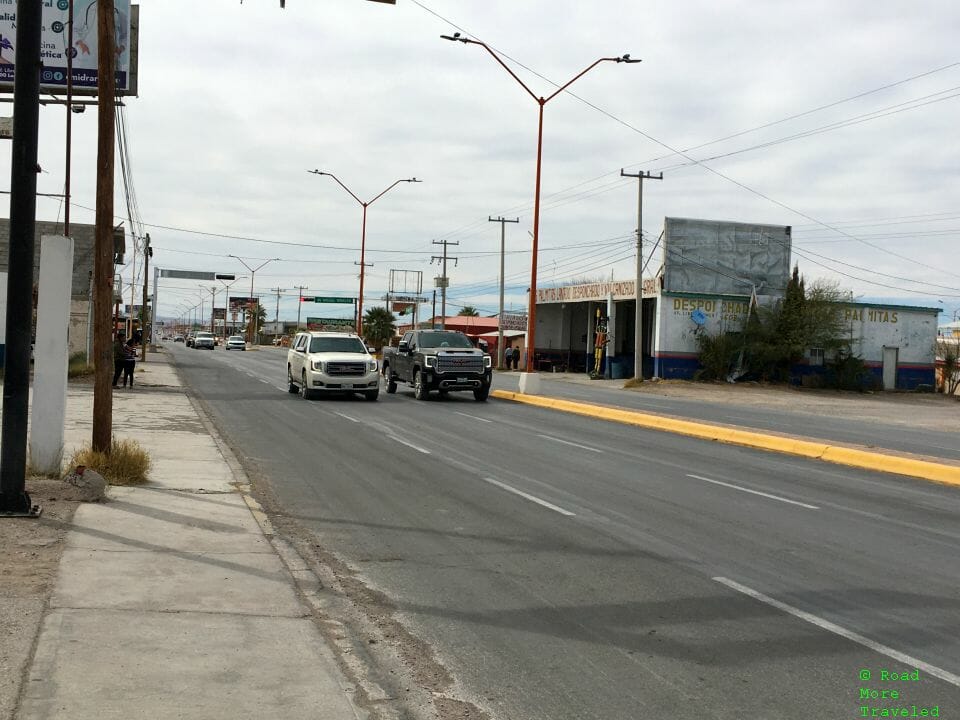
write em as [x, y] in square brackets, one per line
[468, 311]
[378, 326]
[255, 321]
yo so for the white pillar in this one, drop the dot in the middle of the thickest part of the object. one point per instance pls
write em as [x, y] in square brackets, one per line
[50, 354]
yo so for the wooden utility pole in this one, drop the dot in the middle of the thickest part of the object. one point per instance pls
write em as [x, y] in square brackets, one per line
[103, 255]
[144, 314]
[638, 322]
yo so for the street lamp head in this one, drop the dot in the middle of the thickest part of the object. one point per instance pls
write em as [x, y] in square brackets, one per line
[627, 59]
[454, 37]
[413, 180]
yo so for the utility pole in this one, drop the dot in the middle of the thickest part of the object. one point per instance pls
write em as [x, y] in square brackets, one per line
[213, 312]
[299, 289]
[433, 321]
[147, 254]
[444, 281]
[638, 322]
[503, 226]
[276, 314]
[103, 262]
[14, 500]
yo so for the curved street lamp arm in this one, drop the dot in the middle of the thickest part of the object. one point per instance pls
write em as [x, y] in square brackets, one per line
[580, 75]
[370, 202]
[337, 180]
[467, 41]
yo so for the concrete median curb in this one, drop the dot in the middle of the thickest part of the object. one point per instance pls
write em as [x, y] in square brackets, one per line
[853, 457]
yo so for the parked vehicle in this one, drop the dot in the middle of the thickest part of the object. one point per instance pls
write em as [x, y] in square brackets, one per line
[235, 342]
[190, 338]
[441, 360]
[204, 340]
[178, 338]
[325, 362]
[282, 341]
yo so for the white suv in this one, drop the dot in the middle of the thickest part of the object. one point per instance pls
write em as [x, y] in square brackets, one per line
[319, 362]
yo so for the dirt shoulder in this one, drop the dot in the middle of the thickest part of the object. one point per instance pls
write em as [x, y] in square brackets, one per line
[28, 565]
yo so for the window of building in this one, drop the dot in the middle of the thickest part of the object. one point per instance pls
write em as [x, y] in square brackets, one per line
[816, 356]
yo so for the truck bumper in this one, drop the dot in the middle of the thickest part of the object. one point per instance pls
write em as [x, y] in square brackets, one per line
[453, 382]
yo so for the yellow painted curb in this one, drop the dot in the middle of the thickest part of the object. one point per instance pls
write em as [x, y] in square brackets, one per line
[924, 469]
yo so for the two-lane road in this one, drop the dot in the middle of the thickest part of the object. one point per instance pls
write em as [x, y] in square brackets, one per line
[564, 567]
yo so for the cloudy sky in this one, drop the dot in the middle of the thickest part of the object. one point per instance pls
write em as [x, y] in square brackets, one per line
[837, 118]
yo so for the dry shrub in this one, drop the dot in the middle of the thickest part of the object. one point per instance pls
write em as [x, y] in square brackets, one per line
[127, 463]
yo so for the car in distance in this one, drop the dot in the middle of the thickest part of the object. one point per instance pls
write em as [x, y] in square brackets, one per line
[178, 338]
[331, 362]
[235, 342]
[203, 340]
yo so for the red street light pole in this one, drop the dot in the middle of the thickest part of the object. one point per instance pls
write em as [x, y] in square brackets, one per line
[363, 233]
[541, 101]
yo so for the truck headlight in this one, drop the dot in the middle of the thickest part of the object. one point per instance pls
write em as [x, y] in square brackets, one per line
[487, 361]
[430, 361]
[317, 365]
[372, 365]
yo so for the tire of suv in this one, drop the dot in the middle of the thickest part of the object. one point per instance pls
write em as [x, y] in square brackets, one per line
[291, 385]
[371, 395]
[304, 388]
[390, 380]
[420, 391]
[480, 395]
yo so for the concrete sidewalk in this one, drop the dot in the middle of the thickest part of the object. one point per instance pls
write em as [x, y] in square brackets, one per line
[171, 599]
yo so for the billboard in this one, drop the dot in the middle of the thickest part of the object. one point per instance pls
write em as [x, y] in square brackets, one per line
[241, 303]
[341, 324]
[55, 44]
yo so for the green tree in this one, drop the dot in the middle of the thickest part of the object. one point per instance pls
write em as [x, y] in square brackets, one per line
[468, 311]
[378, 326]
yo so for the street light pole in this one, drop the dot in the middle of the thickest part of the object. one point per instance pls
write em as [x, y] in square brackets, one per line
[253, 272]
[541, 101]
[503, 235]
[363, 232]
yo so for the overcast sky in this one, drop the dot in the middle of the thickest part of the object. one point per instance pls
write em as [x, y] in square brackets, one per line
[857, 105]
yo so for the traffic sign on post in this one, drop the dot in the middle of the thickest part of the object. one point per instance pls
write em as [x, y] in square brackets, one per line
[337, 300]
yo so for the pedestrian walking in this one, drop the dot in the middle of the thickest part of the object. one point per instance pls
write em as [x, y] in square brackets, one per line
[119, 355]
[507, 356]
[129, 362]
[516, 358]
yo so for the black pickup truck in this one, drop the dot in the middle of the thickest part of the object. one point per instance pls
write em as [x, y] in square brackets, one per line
[437, 360]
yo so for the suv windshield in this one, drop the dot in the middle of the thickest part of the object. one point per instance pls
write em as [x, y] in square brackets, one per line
[444, 339]
[337, 345]
[204, 335]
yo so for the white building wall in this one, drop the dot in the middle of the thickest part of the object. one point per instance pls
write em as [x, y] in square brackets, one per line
[873, 327]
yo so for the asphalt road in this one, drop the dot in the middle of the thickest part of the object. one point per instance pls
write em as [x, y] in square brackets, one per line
[563, 567]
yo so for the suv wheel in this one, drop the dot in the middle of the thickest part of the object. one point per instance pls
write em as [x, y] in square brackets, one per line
[390, 380]
[304, 389]
[291, 385]
[420, 391]
[371, 395]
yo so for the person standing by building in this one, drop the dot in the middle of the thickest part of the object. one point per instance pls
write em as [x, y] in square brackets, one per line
[119, 355]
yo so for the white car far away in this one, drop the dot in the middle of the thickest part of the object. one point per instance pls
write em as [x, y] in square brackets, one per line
[235, 342]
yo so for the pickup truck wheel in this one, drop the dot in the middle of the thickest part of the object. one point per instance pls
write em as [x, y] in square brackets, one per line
[420, 391]
[481, 394]
[371, 395]
[291, 385]
[304, 389]
[391, 382]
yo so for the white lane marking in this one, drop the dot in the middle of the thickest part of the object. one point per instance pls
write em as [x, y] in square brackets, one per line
[531, 498]
[345, 417]
[472, 417]
[409, 445]
[280, 387]
[567, 442]
[907, 660]
[754, 492]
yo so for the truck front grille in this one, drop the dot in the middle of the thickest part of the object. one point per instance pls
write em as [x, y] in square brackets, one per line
[460, 363]
[347, 369]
